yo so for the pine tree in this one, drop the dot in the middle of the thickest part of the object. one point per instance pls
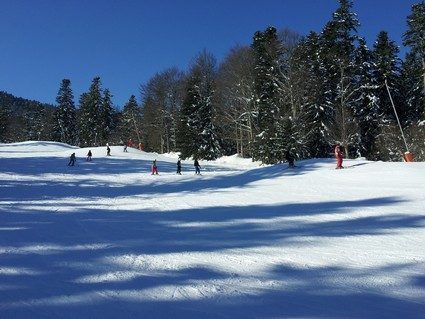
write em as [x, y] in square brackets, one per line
[413, 79]
[413, 72]
[130, 122]
[197, 135]
[412, 92]
[106, 117]
[187, 128]
[65, 125]
[90, 122]
[385, 54]
[313, 125]
[337, 48]
[269, 143]
[366, 108]
[209, 147]
[37, 122]
[415, 37]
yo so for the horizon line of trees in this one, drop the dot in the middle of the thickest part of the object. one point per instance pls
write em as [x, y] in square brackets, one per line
[284, 93]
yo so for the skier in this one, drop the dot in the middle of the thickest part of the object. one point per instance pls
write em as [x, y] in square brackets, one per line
[338, 156]
[290, 159]
[71, 160]
[89, 154]
[179, 167]
[108, 150]
[154, 168]
[197, 167]
[125, 147]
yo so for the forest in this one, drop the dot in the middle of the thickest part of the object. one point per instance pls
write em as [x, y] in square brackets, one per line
[283, 93]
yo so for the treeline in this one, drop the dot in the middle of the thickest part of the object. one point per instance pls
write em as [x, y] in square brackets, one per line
[284, 92]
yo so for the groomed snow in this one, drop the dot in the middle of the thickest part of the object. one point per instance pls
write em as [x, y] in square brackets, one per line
[105, 239]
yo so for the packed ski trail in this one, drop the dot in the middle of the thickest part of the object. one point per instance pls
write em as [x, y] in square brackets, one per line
[105, 239]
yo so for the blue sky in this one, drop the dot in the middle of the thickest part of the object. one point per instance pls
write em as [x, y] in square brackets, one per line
[126, 42]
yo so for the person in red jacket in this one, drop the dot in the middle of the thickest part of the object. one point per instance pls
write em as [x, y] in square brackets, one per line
[338, 156]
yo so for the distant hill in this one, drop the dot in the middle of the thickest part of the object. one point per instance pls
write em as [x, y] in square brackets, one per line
[22, 119]
[14, 103]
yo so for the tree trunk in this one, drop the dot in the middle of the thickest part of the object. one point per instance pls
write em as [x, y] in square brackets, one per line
[423, 73]
[237, 138]
[136, 129]
[241, 136]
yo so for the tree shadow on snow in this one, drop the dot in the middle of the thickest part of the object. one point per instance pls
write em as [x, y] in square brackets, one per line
[26, 188]
[99, 264]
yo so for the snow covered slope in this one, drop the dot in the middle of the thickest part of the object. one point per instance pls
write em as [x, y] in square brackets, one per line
[105, 239]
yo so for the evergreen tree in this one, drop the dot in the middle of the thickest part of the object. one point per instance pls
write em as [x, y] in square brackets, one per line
[106, 117]
[293, 65]
[385, 54]
[209, 147]
[90, 121]
[130, 122]
[337, 49]
[65, 124]
[269, 143]
[187, 129]
[413, 79]
[197, 135]
[412, 93]
[414, 64]
[415, 37]
[366, 108]
[37, 122]
[414, 99]
[313, 124]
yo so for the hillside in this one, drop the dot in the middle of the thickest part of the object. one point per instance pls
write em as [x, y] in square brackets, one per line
[15, 104]
[105, 239]
[22, 119]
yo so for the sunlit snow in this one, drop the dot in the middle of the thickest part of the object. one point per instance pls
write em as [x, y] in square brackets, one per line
[106, 239]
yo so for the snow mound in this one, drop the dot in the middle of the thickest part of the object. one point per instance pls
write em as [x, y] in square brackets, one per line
[35, 146]
[238, 161]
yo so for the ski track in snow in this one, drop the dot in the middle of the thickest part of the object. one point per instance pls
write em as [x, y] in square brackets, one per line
[105, 239]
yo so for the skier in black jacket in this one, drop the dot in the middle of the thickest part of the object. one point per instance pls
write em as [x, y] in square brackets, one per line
[197, 167]
[290, 159]
[179, 167]
[71, 160]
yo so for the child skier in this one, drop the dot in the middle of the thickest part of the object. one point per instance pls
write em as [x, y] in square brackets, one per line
[338, 156]
[154, 168]
[89, 154]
